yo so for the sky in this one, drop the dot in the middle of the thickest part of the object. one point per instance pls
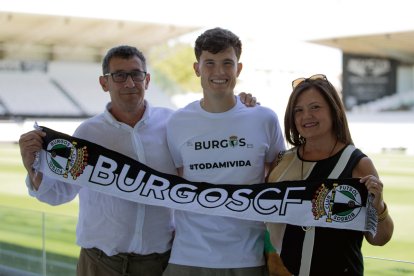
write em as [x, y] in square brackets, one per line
[302, 19]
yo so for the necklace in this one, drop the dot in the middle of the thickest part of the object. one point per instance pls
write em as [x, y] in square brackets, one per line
[303, 156]
[307, 228]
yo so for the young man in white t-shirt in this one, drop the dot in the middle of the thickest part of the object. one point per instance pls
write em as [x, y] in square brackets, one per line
[219, 140]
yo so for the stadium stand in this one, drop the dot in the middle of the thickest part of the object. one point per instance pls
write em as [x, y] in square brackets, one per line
[32, 95]
[52, 70]
[400, 101]
[80, 82]
[66, 90]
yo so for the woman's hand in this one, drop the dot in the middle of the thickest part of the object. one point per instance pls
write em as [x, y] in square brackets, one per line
[375, 187]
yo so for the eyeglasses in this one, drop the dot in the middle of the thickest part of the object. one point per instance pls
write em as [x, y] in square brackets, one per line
[298, 81]
[136, 76]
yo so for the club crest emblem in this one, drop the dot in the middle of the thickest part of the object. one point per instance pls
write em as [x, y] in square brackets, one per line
[63, 158]
[342, 203]
[233, 141]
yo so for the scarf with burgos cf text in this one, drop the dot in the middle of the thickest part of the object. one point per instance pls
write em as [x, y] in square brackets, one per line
[335, 203]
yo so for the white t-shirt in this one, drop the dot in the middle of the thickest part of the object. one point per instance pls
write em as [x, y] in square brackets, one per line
[221, 148]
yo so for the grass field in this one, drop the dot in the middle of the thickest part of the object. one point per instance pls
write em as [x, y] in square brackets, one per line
[22, 217]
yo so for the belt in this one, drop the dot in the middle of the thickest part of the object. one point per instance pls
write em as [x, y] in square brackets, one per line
[122, 256]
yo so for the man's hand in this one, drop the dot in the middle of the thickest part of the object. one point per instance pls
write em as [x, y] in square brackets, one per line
[248, 99]
[30, 143]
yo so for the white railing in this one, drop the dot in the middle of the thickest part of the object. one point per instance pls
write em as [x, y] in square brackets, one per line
[44, 230]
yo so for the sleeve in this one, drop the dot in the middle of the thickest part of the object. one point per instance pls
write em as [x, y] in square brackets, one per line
[277, 141]
[53, 192]
[173, 145]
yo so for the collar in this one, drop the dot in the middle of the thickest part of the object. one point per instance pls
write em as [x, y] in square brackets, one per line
[113, 121]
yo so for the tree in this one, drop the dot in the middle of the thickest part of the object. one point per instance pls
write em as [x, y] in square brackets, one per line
[173, 68]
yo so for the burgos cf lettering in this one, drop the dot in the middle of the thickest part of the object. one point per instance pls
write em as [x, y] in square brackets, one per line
[232, 142]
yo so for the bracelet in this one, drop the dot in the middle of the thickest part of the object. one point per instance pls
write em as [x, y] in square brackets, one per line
[384, 214]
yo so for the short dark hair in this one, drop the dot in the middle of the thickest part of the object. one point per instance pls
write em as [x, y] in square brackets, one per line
[216, 40]
[337, 109]
[123, 51]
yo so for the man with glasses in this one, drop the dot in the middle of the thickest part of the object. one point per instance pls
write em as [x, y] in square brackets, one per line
[116, 236]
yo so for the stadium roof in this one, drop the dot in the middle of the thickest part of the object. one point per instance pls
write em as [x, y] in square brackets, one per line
[52, 37]
[83, 28]
[397, 45]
